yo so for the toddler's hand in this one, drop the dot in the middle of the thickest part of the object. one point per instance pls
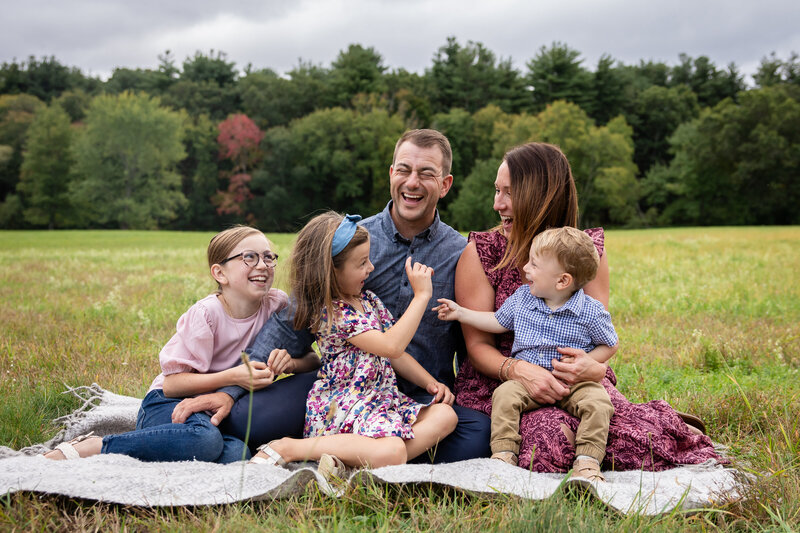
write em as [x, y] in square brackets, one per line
[448, 309]
[280, 362]
[420, 278]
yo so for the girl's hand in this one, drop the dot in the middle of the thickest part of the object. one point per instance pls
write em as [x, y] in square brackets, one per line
[280, 362]
[441, 393]
[576, 366]
[420, 278]
[261, 377]
[448, 309]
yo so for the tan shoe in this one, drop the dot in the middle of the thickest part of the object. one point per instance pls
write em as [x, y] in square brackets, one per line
[330, 467]
[586, 472]
[506, 456]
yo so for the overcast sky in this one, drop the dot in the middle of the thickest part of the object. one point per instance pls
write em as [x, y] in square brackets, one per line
[99, 35]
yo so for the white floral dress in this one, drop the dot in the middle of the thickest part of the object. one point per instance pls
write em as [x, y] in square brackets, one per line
[356, 392]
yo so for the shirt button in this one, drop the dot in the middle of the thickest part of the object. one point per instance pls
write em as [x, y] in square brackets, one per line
[405, 284]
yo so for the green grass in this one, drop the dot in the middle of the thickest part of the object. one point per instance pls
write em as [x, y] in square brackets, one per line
[708, 320]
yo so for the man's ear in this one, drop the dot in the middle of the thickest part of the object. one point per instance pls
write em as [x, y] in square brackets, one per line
[219, 274]
[564, 281]
[447, 182]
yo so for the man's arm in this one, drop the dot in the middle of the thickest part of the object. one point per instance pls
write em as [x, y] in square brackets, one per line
[277, 332]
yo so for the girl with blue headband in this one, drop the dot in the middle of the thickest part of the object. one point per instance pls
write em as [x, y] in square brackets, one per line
[355, 414]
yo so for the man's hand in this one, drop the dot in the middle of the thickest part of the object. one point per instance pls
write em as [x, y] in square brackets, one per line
[441, 393]
[218, 403]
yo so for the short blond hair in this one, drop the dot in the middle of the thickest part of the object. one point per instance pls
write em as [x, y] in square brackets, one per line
[573, 249]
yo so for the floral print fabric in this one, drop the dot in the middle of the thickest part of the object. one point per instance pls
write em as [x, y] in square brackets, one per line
[356, 392]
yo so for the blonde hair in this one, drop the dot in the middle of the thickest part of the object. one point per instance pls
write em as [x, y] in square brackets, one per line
[543, 195]
[573, 249]
[313, 274]
[223, 243]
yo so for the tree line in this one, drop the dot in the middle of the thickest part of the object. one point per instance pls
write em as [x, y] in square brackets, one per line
[203, 145]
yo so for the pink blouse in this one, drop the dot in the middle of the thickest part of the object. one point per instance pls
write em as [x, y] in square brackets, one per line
[209, 340]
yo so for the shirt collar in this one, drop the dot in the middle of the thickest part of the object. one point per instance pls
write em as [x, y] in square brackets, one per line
[391, 230]
[574, 304]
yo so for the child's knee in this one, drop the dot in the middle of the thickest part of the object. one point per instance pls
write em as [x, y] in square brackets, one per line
[445, 417]
[392, 452]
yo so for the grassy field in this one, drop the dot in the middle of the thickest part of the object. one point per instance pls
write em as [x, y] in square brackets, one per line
[708, 318]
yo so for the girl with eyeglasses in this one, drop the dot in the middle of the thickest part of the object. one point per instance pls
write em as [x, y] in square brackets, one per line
[355, 414]
[202, 356]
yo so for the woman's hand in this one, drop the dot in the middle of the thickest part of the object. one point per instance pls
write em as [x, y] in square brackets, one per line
[262, 375]
[419, 276]
[577, 366]
[441, 393]
[540, 383]
[280, 362]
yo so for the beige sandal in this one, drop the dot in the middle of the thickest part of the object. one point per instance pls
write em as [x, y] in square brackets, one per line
[68, 448]
[506, 456]
[273, 458]
[330, 466]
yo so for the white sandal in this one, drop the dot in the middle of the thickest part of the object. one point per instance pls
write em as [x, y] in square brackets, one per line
[274, 458]
[68, 448]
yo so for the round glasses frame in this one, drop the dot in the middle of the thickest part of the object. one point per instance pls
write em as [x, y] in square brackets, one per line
[251, 258]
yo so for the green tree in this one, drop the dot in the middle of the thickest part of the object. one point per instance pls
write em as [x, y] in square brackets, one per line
[125, 162]
[775, 71]
[200, 176]
[657, 114]
[470, 77]
[556, 73]
[608, 89]
[45, 78]
[356, 70]
[207, 85]
[735, 164]
[333, 158]
[45, 178]
[16, 115]
[472, 208]
[407, 95]
[705, 80]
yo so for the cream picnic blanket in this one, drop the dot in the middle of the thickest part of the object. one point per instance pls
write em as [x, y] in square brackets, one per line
[121, 479]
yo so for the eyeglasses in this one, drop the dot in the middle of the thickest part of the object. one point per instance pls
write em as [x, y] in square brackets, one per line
[250, 258]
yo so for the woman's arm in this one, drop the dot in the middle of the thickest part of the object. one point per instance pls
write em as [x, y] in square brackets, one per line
[185, 384]
[393, 342]
[474, 291]
[598, 288]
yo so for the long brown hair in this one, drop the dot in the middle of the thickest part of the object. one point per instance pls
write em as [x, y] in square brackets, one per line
[313, 274]
[543, 195]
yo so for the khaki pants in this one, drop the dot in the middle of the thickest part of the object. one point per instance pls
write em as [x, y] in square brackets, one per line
[588, 401]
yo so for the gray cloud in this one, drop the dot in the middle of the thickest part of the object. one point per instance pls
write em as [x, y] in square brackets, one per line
[97, 36]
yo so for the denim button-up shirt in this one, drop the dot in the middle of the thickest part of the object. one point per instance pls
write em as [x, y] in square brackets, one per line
[438, 247]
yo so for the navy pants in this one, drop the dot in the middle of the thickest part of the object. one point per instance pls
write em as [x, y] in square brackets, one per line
[280, 409]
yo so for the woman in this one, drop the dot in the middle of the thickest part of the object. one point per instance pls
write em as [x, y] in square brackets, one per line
[535, 190]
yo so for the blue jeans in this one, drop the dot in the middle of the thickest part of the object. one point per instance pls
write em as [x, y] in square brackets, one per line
[156, 438]
[279, 411]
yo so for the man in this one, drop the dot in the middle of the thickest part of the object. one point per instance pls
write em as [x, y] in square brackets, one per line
[409, 226]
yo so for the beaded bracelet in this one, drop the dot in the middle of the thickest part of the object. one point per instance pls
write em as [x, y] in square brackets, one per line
[508, 369]
[502, 366]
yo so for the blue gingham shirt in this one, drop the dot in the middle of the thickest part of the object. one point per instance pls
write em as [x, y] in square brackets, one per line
[582, 322]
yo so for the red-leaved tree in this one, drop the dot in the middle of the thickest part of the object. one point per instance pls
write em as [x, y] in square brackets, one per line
[238, 140]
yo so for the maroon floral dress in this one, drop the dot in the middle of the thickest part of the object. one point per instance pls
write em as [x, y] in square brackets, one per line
[649, 436]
